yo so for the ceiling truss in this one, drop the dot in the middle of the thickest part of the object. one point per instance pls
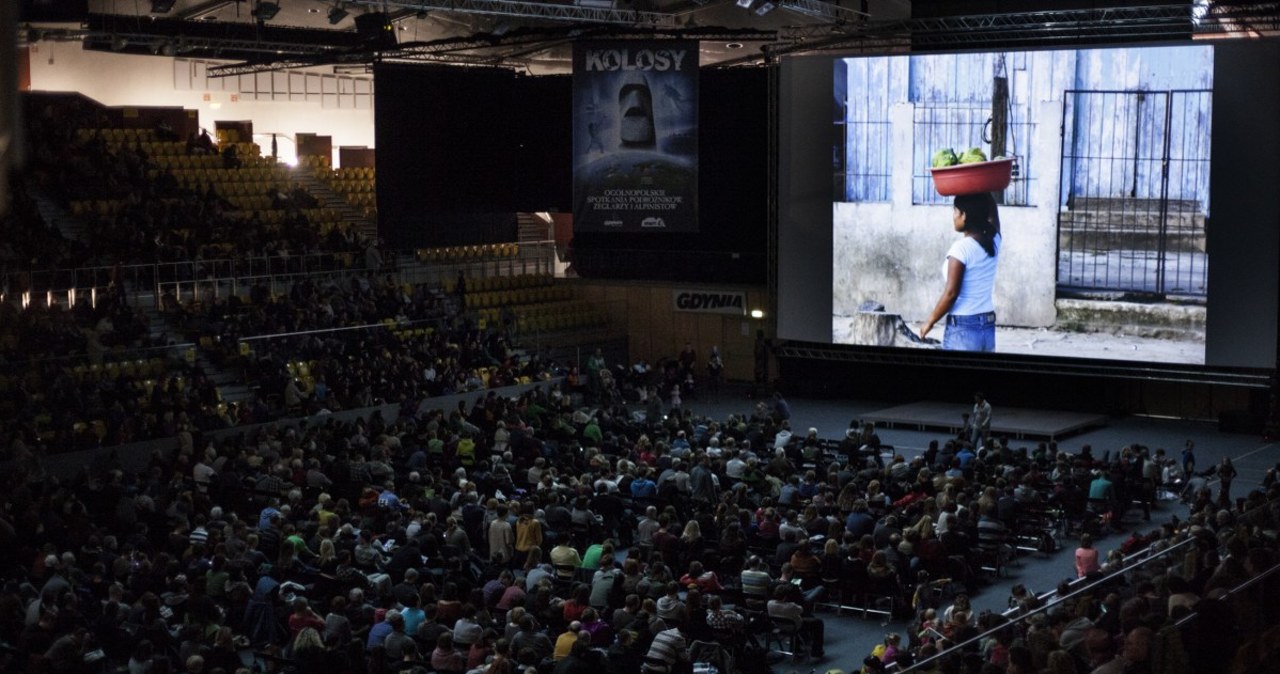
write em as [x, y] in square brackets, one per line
[598, 13]
[844, 30]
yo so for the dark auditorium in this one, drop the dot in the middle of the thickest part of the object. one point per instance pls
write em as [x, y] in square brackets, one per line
[639, 337]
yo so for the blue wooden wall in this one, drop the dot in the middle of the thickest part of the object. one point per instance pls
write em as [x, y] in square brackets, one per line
[950, 91]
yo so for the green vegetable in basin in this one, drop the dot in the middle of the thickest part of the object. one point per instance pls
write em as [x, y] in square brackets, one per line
[972, 156]
[944, 158]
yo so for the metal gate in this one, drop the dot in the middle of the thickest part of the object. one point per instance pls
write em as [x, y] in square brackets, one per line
[1134, 197]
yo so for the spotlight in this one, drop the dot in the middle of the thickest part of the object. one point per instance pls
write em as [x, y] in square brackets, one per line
[764, 8]
[337, 14]
[745, 4]
[162, 6]
[266, 11]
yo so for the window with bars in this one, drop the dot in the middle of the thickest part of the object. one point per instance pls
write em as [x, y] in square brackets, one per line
[961, 126]
[861, 146]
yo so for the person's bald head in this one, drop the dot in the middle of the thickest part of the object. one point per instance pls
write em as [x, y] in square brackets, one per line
[1137, 645]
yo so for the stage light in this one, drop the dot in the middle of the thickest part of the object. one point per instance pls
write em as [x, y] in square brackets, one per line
[266, 11]
[765, 8]
[757, 313]
[337, 14]
[746, 4]
[162, 6]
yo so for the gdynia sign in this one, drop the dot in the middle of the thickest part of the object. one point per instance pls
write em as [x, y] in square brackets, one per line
[707, 301]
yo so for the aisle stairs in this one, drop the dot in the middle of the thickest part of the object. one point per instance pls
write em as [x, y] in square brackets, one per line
[331, 200]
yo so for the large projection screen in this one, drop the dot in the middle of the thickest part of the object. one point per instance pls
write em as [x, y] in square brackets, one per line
[1139, 225]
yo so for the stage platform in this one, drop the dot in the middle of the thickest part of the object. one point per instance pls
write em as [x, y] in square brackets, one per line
[1010, 421]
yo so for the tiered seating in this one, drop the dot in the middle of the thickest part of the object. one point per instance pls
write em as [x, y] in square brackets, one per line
[356, 185]
[314, 162]
[537, 303]
[117, 137]
[560, 316]
[499, 291]
[459, 254]
[166, 199]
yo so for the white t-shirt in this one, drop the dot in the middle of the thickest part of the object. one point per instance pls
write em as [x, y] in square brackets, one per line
[979, 276]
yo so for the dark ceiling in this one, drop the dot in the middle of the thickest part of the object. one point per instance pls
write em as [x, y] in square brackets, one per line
[534, 35]
[529, 34]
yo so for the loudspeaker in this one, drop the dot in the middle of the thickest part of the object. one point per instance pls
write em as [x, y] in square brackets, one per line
[376, 30]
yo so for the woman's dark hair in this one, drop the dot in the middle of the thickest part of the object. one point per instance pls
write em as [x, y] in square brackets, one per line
[982, 217]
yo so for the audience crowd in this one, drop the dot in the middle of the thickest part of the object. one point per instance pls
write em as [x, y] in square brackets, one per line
[536, 534]
[78, 372]
[364, 342]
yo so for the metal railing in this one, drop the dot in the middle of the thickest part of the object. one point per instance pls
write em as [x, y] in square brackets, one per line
[144, 284]
[348, 329]
[533, 258]
[1130, 564]
[106, 359]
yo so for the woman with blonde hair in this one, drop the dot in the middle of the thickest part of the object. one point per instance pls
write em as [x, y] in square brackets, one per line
[327, 560]
[692, 532]
[877, 500]
[924, 527]
[308, 651]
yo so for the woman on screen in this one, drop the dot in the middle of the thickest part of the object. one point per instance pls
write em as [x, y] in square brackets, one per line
[969, 273]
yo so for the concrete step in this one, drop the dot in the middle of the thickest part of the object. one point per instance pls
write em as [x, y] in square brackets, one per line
[1192, 222]
[58, 218]
[333, 201]
[531, 228]
[1121, 239]
[1160, 320]
[1131, 204]
[235, 393]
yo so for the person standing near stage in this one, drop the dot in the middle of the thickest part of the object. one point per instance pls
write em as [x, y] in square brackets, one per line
[761, 357]
[1189, 460]
[979, 420]
[715, 370]
[1226, 474]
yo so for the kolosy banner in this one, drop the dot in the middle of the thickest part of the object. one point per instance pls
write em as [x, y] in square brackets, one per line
[635, 136]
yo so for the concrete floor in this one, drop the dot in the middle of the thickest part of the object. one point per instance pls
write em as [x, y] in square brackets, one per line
[1066, 343]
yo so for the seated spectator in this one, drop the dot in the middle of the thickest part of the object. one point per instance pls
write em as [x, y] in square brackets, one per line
[566, 640]
[445, 658]
[811, 629]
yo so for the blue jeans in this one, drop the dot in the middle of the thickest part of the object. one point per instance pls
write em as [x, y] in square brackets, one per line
[975, 332]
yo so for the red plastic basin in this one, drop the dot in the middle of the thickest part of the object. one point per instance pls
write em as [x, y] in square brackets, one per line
[986, 176]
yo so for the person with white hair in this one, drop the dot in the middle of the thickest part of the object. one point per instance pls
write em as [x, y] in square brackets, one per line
[380, 631]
